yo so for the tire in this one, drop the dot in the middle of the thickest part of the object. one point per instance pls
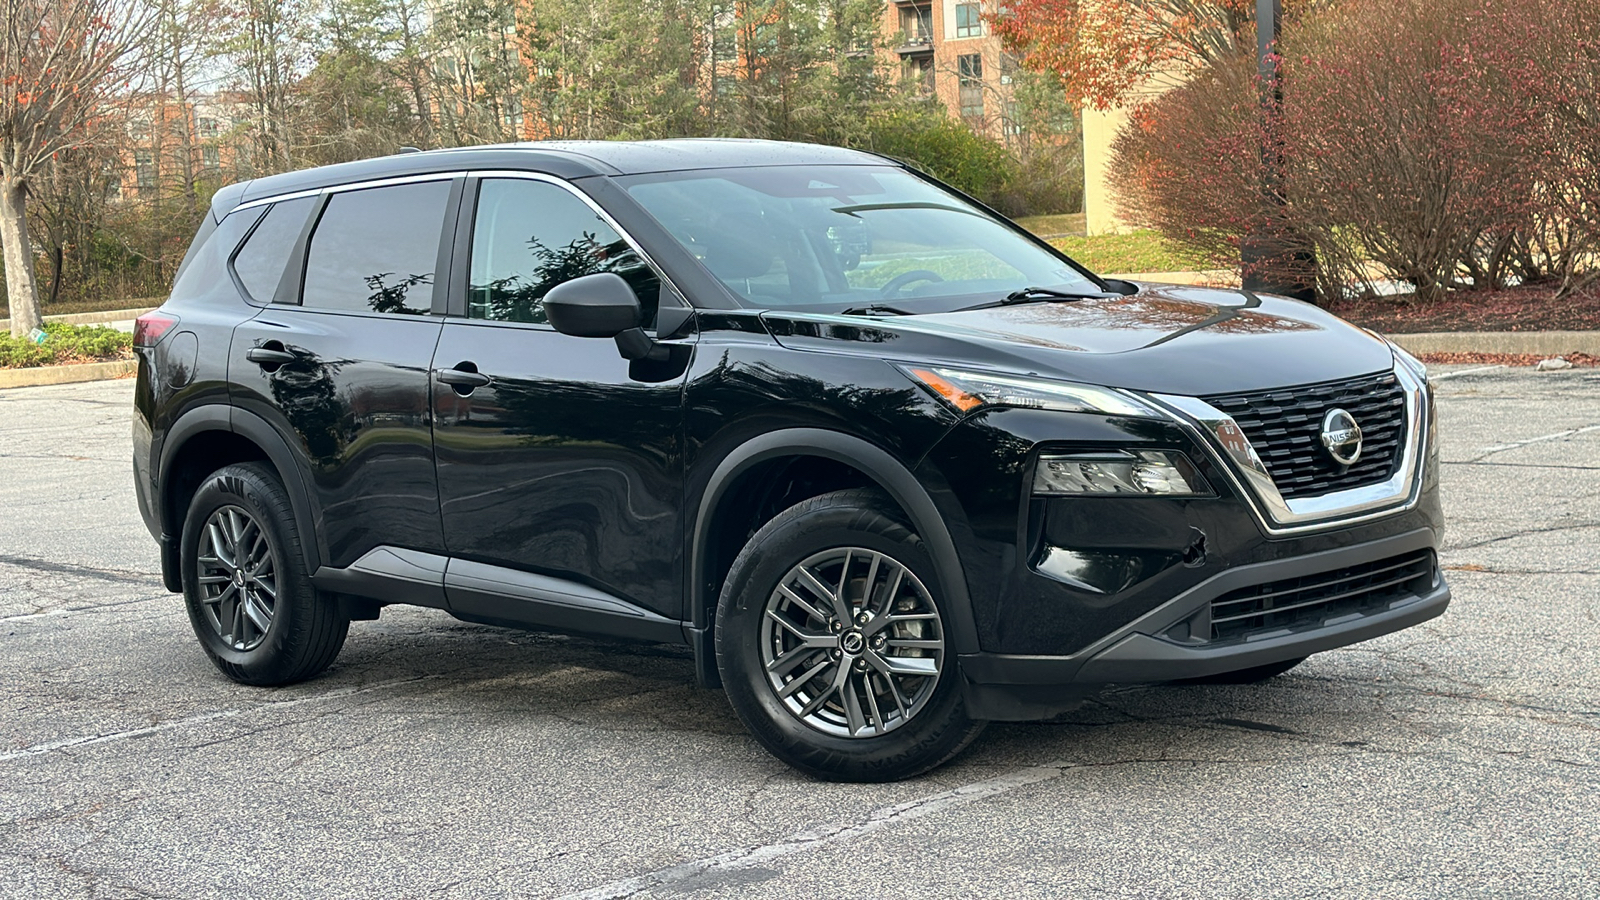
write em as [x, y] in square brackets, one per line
[1253, 675]
[285, 630]
[895, 710]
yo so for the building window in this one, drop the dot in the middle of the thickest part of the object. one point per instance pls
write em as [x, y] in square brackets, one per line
[1013, 120]
[144, 164]
[969, 24]
[211, 157]
[922, 70]
[208, 127]
[916, 22]
[969, 69]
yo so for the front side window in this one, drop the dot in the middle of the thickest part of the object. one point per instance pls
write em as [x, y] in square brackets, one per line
[830, 238]
[375, 249]
[529, 236]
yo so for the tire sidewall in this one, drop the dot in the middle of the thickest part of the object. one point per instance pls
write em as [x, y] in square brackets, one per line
[246, 488]
[916, 746]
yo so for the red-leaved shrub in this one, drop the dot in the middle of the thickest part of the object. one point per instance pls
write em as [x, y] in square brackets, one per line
[1443, 143]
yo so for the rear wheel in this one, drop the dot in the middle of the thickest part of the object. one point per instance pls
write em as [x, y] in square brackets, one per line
[249, 596]
[832, 643]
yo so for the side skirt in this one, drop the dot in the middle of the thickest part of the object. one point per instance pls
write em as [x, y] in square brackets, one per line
[496, 595]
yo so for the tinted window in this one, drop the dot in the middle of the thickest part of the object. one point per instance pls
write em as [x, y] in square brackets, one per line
[261, 260]
[374, 250]
[830, 238]
[529, 236]
[206, 264]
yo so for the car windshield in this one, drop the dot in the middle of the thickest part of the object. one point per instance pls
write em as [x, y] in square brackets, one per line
[836, 238]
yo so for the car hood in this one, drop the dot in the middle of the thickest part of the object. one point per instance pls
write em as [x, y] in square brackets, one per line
[1164, 338]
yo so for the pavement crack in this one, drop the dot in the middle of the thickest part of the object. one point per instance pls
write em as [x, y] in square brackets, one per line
[1577, 526]
[120, 576]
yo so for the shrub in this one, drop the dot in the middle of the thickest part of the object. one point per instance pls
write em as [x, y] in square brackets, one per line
[1415, 140]
[944, 148]
[65, 344]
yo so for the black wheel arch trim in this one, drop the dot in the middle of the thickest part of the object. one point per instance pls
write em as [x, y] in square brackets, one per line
[220, 417]
[890, 474]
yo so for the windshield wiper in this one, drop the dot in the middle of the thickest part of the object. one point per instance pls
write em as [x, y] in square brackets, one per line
[1030, 294]
[876, 309]
[1023, 295]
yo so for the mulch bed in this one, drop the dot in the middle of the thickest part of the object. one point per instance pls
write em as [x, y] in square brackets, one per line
[1503, 359]
[1532, 308]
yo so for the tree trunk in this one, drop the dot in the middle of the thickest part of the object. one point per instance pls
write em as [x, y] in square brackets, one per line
[21, 290]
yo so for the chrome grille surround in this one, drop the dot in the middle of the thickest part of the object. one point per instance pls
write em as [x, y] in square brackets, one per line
[1278, 515]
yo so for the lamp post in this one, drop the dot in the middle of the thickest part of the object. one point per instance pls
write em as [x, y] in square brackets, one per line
[1270, 241]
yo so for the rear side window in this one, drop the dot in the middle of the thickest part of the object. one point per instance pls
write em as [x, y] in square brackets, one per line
[375, 249]
[529, 236]
[260, 262]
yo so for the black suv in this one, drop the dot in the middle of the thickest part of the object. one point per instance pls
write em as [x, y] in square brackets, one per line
[890, 466]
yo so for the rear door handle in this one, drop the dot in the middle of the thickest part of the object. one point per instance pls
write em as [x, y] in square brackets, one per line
[267, 356]
[463, 378]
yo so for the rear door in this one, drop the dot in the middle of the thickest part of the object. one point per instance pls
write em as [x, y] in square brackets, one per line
[338, 360]
[565, 461]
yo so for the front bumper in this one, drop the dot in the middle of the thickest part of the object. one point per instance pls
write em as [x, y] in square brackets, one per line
[1021, 687]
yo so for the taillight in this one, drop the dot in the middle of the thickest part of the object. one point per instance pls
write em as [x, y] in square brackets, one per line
[148, 328]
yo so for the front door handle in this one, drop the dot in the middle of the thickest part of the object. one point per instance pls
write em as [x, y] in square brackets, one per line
[462, 378]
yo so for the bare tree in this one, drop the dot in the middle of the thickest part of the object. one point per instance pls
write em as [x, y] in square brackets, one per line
[63, 65]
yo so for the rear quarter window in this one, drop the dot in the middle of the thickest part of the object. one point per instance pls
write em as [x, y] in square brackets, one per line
[259, 264]
[205, 266]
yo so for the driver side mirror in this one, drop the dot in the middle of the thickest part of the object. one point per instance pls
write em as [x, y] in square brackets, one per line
[599, 305]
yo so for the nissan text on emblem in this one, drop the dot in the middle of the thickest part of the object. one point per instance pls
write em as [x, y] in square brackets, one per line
[1341, 436]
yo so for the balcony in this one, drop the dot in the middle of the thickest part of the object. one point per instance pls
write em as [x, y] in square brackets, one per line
[914, 44]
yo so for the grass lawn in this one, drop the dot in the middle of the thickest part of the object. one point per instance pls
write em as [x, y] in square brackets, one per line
[1054, 226]
[1135, 252]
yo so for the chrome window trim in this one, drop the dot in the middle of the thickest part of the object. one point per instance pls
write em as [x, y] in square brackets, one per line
[352, 186]
[1228, 446]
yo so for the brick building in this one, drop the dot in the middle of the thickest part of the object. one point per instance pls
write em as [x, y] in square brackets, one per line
[946, 48]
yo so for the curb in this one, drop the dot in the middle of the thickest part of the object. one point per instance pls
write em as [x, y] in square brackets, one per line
[1223, 278]
[1546, 343]
[42, 375]
[90, 318]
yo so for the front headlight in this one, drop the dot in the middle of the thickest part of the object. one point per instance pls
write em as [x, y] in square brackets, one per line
[1165, 473]
[966, 391]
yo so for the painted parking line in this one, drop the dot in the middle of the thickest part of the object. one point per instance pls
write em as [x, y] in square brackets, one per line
[91, 740]
[799, 842]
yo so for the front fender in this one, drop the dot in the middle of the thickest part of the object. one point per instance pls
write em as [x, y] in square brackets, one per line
[877, 464]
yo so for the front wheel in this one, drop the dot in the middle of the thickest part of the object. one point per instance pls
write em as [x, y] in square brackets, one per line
[250, 598]
[832, 642]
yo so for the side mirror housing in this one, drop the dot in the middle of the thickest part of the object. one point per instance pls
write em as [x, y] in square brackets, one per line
[600, 305]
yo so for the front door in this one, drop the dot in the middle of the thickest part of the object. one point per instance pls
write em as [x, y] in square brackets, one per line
[553, 459]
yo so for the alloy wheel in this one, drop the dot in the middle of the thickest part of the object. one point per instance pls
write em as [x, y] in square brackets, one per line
[852, 643]
[237, 577]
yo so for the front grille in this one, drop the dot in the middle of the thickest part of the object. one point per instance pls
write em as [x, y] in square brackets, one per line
[1313, 599]
[1285, 426]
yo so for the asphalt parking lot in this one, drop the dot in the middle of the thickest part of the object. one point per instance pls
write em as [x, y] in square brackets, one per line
[441, 759]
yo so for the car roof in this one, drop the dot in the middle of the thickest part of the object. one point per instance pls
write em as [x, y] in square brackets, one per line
[567, 159]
